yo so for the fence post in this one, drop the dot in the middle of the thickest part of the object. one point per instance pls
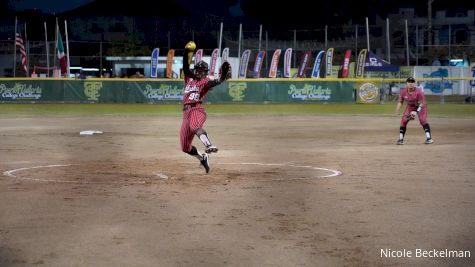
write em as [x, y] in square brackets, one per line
[442, 100]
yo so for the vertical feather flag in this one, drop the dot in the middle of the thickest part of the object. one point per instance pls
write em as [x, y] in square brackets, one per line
[21, 46]
[198, 55]
[317, 65]
[214, 62]
[170, 55]
[329, 62]
[360, 63]
[274, 63]
[154, 63]
[287, 61]
[61, 54]
[303, 64]
[258, 64]
[243, 63]
[346, 64]
[225, 54]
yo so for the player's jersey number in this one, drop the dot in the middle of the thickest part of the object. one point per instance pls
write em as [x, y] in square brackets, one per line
[194, 96]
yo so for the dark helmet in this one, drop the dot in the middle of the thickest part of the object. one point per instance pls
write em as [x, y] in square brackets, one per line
[410, 80]
[202, 65]
[201, 69]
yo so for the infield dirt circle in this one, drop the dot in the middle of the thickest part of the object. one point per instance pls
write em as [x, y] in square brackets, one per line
[282, 191]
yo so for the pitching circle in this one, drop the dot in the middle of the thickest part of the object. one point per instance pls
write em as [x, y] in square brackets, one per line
[332, 173]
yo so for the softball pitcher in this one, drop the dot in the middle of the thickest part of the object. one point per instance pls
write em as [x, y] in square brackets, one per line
[197, 84]
[416, 106]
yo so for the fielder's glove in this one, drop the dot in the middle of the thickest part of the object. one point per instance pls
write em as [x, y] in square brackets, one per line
[411, 115]
[225, 71]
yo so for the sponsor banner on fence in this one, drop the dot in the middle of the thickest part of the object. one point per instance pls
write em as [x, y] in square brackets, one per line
[449, 87]
[367, 93]
[164, 91]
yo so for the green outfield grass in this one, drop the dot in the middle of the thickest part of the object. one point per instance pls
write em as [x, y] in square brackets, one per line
[26, 110]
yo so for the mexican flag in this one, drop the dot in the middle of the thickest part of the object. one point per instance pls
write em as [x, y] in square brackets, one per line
[61, 55]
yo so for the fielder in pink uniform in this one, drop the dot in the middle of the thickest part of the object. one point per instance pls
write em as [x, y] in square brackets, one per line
[197, 84]
[416, 106]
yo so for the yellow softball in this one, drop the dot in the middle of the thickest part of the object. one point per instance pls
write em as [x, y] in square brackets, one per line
[191, 45]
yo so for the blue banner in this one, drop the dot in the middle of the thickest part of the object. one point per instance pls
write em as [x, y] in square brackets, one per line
[154, 63]
[317, 65]
[258, 64]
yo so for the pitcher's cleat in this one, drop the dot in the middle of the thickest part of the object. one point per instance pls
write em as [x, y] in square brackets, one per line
[211, 149]
[429, 141]
[400, 142]
[205, 162]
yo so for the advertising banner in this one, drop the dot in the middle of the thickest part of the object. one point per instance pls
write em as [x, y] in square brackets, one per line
[243, 63]
[361, 63]
[329, 62]
[317, 65]
[303, 64]
[214, 62]
[346, 64]
[287, 62]
[170, 55]
[274, 64]
[198, 55]
[256, 71]
[154, 63]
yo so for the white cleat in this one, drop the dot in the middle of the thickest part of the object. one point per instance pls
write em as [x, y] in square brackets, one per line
[211, 149]
[429, 141]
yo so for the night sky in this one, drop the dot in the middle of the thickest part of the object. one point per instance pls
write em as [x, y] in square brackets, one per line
[296, 13]
[47, 6]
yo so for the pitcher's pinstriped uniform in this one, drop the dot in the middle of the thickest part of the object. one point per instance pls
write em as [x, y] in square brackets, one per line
[197, 85]
[194, 115]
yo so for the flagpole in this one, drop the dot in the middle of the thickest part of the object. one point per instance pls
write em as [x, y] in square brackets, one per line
[47, 50]
[55, 45]
[14, 48]
[67, 47]
[27, 54]
[240, 41]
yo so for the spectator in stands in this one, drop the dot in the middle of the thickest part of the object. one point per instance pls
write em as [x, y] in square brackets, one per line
[82, 75]
[137, 75]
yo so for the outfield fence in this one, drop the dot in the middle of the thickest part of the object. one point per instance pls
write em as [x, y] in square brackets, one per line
[305, 90]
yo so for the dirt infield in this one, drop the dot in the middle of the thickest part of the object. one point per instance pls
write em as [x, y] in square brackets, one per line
[130, 197]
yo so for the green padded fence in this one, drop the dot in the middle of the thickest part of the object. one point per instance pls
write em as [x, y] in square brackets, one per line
[171, 91]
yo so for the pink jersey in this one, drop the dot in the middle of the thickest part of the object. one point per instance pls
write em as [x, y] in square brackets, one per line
[195, 90]
[414, 99]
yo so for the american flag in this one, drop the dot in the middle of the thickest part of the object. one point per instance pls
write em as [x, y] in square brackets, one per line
[21, 46]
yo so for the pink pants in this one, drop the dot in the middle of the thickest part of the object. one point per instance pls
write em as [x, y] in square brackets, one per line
[193, 119]
[422, 115]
